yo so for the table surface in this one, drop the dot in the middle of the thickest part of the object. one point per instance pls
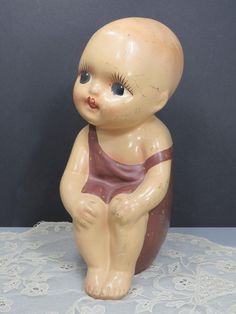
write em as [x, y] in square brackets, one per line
[224, 236]
[188, 269]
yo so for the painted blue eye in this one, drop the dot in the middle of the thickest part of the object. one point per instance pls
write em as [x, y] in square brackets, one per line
[84, 77]
[117, 89]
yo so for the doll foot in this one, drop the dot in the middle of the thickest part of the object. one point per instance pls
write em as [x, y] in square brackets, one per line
[117, 285]
[94, 281]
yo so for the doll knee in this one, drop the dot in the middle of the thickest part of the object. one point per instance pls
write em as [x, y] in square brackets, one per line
[101, 213]
[119, 219]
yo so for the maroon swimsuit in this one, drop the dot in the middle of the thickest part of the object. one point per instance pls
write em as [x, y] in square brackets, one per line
[108, 178]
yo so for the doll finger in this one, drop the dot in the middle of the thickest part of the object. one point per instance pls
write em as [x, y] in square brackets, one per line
[81, 222]
[88, 219]
[92, 202]
[86, 212]
[91, 212]
[77, 224]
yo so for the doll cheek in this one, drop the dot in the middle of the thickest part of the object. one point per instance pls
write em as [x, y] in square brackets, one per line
[76, 91]
[80, 92]
[78, 99]
[76, 96]
[77, 84]
[110, 110]
[109, 102]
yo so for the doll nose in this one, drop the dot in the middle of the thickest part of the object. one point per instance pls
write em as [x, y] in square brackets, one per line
[95, 88]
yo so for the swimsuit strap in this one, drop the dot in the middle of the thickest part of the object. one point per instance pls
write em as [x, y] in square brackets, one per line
[92, 137]
[166, 154]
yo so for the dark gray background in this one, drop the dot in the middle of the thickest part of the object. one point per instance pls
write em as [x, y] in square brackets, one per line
[40, 45]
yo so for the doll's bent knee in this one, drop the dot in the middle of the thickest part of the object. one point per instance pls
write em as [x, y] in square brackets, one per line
[123, 219]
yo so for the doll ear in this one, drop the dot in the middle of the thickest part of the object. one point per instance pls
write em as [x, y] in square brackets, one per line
[164, 96]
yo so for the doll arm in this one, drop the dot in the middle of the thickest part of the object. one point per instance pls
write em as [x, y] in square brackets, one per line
[84, 208]
[128, 208]
[154, 187]
[76, 171]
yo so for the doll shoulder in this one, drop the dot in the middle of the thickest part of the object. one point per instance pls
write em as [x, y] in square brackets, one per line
[79, 153]
[81, 141]
[158, 137]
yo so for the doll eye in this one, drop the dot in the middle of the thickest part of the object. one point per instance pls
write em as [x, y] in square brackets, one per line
[120, 85]
[117, 89]
[84, 77]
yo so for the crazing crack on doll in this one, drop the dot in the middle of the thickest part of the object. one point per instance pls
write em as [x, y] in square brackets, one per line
[117, 185]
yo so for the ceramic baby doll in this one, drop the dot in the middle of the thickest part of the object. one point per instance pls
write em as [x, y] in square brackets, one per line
[117, 183]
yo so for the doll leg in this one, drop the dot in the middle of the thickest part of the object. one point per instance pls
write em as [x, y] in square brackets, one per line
[126, 243]
[93, 243]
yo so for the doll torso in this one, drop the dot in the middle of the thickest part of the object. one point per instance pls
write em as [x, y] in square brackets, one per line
[135, 146]
[108, 177]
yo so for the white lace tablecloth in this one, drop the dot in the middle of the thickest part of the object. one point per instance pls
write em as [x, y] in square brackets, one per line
[41, 272]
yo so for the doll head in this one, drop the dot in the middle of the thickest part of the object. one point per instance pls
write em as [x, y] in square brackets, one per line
[127, 72]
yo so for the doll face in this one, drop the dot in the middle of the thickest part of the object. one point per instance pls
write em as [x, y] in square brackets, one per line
[116, 86]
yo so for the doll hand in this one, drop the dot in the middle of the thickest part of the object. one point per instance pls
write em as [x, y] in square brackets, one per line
[125, 209]
[87, 210]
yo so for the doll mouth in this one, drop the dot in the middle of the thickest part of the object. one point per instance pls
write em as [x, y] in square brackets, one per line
[92, 103]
